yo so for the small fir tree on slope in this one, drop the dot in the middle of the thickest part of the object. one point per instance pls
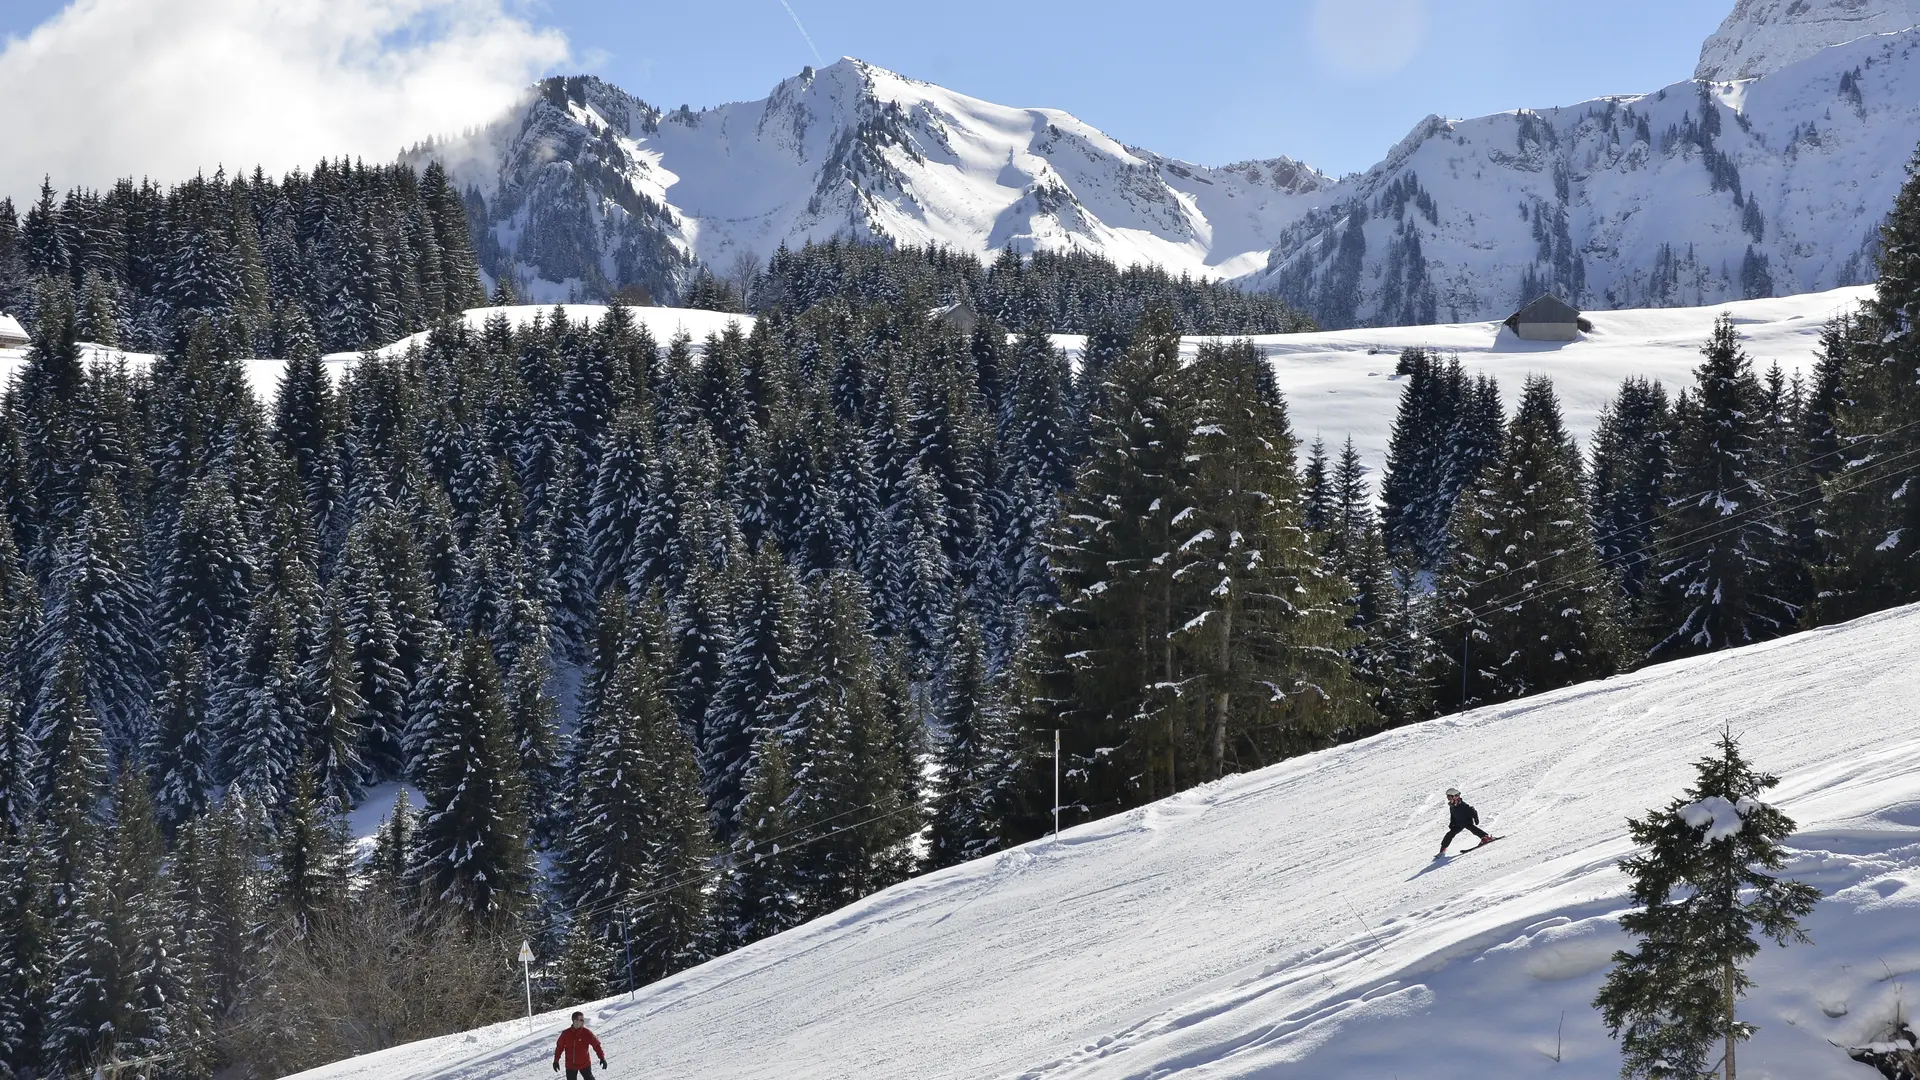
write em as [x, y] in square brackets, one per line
[1700, 890]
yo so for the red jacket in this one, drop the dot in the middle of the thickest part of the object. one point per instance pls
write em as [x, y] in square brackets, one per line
[573, 1043]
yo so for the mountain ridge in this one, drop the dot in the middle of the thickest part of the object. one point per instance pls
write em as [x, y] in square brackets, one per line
[1702, 192]
[584, 185]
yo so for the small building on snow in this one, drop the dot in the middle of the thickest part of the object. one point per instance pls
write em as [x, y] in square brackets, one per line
[11, 335]
[1548, 319]
[959, 315]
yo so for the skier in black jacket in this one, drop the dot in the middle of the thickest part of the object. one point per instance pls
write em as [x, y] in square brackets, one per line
[1461, 816]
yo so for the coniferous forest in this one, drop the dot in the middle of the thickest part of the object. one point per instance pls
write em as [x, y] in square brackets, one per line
[684, 643]
[363, 253]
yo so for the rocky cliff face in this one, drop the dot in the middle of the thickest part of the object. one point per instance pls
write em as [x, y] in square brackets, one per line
[1701, 193]
[1762, 36]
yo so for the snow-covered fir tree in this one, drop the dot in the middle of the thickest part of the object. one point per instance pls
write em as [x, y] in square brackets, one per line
[1524, 603]
[974, 754]
[1871, 522]
[1631, 459]
[1705, 889]
[471, 847]
[182, 751]
[765, 651]
[1719, 548]
[117, 969]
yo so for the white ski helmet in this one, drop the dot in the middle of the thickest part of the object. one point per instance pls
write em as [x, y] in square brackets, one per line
[1453, 791]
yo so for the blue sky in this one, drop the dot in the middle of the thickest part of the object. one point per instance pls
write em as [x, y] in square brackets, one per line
[1333, 82]
[1213, 81]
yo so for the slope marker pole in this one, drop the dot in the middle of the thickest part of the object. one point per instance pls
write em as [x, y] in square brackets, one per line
[1056, 783]
[526, 973]
[632, 988]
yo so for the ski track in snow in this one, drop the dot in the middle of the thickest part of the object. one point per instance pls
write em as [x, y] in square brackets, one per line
[1290, 923]
[1341, 383]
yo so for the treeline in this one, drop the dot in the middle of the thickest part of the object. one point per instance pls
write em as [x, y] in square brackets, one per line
[1746, 507]
[1061, 292]
[364, 254]
[674, 617]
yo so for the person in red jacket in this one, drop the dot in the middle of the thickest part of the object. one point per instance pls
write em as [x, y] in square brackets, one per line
[574, 1043]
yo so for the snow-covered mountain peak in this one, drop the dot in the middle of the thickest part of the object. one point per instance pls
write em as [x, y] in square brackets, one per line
[1760, 37]
[584, 188]
[1697, 194]
[1769, 178]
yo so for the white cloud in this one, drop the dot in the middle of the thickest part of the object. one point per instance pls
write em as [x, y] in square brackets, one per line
[1369, 37]
[164, 88]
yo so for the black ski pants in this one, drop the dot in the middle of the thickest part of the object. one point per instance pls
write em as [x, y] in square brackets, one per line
[1444, 844]
[580, 1074]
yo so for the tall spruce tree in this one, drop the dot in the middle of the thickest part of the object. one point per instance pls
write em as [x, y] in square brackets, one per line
[1871, 519]
[335, 733]
[973, 756]
[471, 850]
[1524, 603]
[99, 609]
[27, 957]
[1110, 652]
[182, 752]
[758, 894]
[117, 970]
[849, 791]
[1262, 626]
[1627, 484]
[311, 858]
[605, 857]
[258, 703]
[75, 784]
[1719, 548]
[1447, 427]
[764, 651]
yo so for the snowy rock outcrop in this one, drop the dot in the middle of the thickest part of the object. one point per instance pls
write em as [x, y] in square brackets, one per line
[1701, 193]
[1763, 36]
[584, 186]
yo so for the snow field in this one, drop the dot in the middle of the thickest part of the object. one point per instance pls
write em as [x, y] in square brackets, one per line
[1290, 922]
[1341, 382]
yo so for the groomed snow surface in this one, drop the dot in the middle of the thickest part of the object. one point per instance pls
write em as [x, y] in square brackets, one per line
[1292, 922]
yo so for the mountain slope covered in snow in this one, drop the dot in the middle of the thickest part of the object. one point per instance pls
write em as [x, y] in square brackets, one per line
[586, 185]
[1762, 36]
[1702, 192]
[1290, 922]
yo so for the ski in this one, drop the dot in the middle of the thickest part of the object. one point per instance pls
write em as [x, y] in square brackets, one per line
[1463, 851]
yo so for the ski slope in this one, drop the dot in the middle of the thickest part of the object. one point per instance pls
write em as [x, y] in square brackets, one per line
[1291, 922]
[1340, 383]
